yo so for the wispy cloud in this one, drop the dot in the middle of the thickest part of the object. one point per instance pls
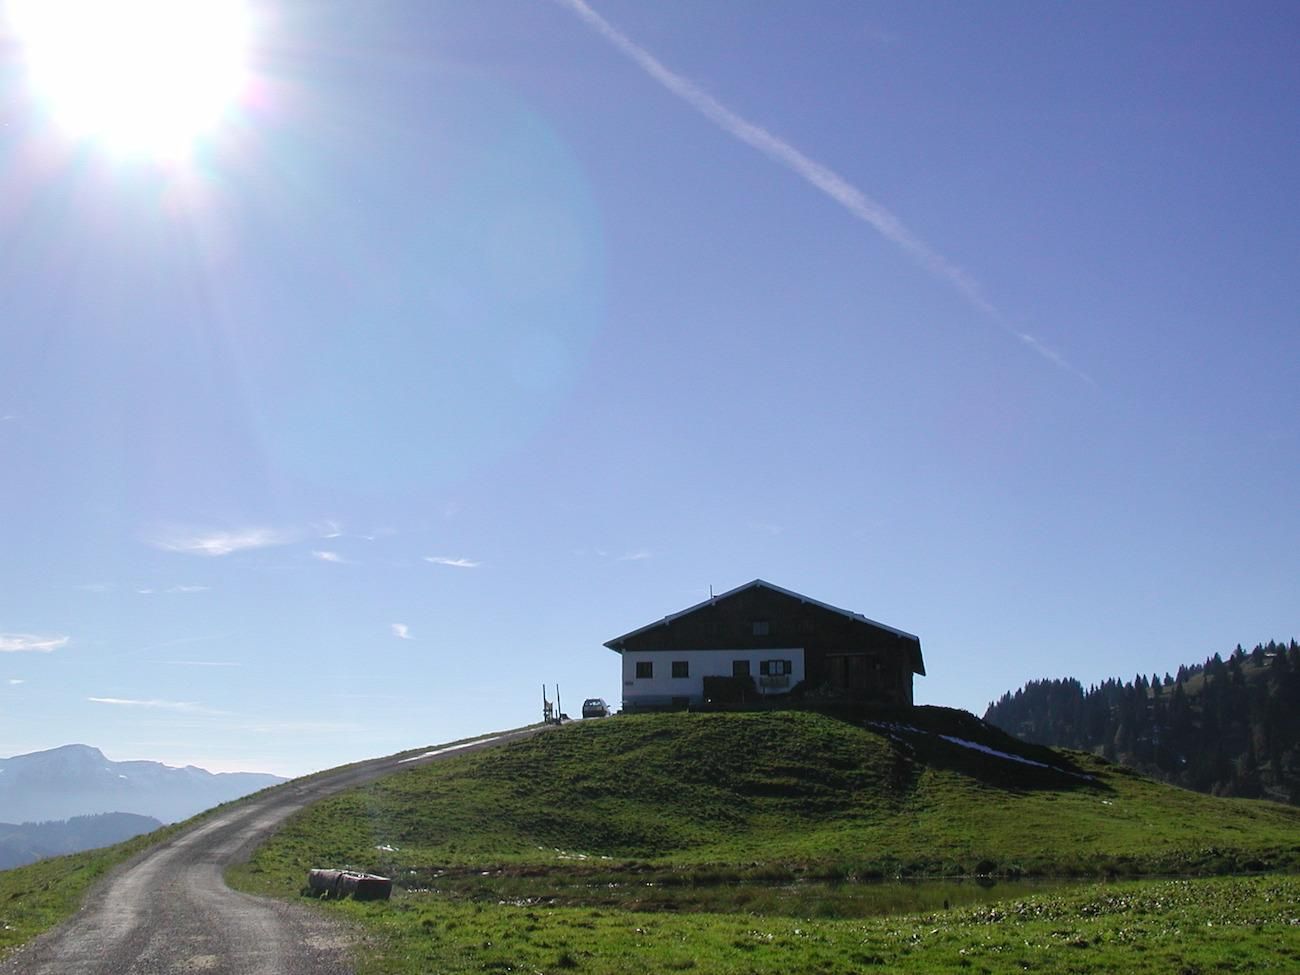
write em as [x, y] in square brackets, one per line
[638, 556]
[820, 177]
[8, 417]
[454, 563]
[94, 587]
[217, 543]
[328, 557]
[330, 529]
[401, 631]
[767, 528]
[187, 589]
[15, 681]
[31, 642]
[178, 641]
[154, 704]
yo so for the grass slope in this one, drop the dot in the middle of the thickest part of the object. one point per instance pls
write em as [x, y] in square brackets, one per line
[35, 897]
[778, 793]
[597, 848]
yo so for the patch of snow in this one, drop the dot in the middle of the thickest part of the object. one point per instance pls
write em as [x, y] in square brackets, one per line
[387, 848]
[893, 731]
[1012, 758]
[449, 748]
[976, 746]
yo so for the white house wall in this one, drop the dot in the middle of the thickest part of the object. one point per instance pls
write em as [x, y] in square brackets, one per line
[662, 688]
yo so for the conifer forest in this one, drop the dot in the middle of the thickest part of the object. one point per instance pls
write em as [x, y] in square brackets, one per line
[1227, 727]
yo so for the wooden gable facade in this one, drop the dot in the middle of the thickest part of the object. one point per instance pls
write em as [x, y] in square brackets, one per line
[769, 633]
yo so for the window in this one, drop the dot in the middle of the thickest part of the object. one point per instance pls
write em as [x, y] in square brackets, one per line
[645, 669]
[775, 668]
[740, 668]
[681, 668]
[762, 628]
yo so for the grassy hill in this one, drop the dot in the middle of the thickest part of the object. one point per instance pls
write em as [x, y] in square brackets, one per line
[799, 793]
[687, 842]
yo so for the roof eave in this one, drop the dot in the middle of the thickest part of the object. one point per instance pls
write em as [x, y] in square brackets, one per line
[918, 662]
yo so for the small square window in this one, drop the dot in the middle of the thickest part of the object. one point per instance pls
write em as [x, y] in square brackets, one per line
[740, 668]
[681, 668]
[762, 628]
[645, 669]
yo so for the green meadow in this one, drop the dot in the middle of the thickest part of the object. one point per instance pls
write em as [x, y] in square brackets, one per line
[1179, 926]
[779, 841]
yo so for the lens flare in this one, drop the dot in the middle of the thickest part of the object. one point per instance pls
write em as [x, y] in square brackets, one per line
[140, 77]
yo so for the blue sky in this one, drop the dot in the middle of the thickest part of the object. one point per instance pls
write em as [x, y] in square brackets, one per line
[476, 334]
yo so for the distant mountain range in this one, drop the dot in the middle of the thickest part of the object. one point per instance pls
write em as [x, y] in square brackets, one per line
[77, 780]
[22, 843]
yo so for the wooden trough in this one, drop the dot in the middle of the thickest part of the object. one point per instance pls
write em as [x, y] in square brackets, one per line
[337, 884]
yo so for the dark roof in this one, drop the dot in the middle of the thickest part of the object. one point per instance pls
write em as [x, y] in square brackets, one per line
[615, 644]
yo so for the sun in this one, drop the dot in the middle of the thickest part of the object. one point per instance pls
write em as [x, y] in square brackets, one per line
[139, 77]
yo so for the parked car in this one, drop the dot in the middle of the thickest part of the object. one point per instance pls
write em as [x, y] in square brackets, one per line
[595, 707]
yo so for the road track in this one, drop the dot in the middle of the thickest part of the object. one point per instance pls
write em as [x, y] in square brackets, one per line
[168, 911]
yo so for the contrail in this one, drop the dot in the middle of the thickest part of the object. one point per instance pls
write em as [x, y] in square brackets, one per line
[823, 178]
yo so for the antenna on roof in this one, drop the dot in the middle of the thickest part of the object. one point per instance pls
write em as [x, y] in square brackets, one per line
[710, 590]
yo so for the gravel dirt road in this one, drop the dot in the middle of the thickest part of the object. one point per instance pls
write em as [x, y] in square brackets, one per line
[169, 911]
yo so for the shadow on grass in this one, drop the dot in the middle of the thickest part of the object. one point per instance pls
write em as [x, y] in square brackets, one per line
[953, 740]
